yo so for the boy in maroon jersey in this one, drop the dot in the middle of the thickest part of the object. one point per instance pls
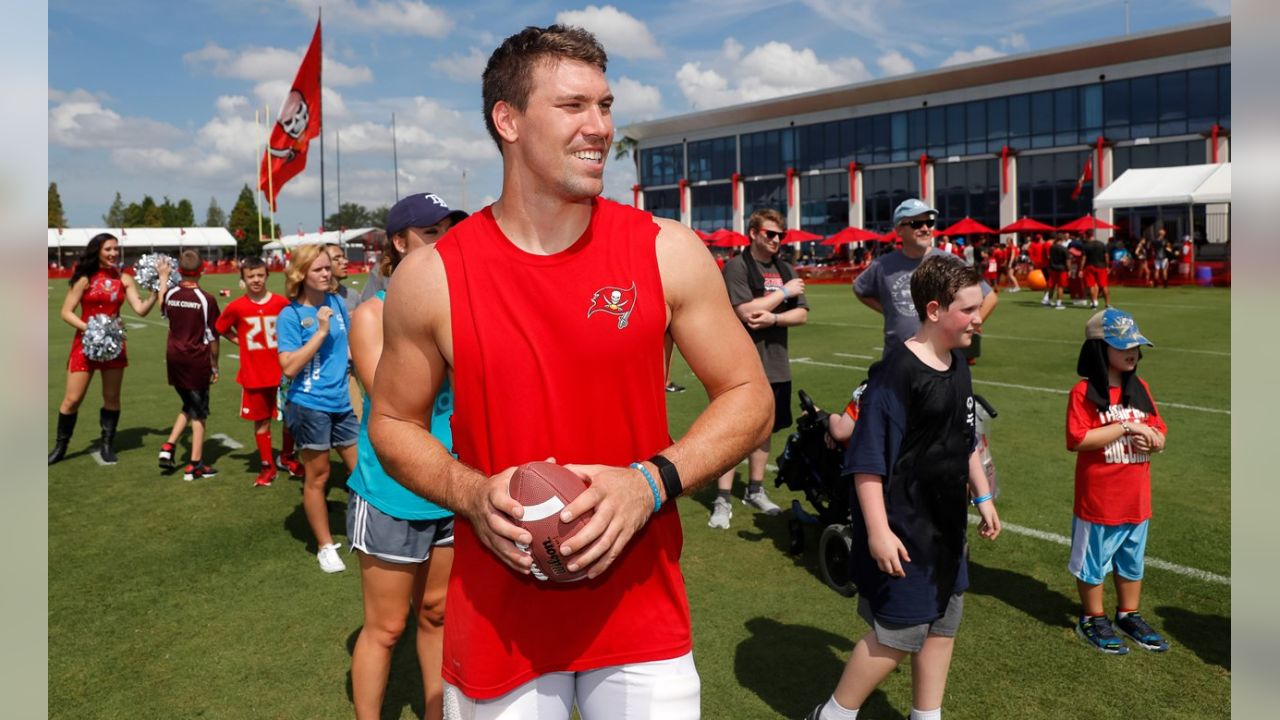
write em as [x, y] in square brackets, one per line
[191, 356]
[250, 323]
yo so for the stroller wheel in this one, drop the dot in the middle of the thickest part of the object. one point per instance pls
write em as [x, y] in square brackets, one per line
[795, 533]
[833, 559]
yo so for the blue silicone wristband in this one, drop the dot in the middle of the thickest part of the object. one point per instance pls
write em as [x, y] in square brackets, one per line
[785, 294]
[981, 499]
[657, 499]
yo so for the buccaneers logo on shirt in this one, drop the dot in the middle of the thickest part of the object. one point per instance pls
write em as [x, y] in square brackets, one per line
[615, 301]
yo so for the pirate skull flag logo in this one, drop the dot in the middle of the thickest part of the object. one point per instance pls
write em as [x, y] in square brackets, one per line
[300, 121]
[294, 116]
[614, 301]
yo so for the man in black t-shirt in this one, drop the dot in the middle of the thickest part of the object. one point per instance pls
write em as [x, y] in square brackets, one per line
[914, 462]
[1059, 259]
[1095, 270]
[768, 298]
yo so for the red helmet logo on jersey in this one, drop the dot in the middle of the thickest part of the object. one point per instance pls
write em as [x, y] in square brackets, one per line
[615, 301]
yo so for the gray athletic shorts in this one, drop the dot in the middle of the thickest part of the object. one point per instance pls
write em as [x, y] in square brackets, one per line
[910, 638]
[406, 542]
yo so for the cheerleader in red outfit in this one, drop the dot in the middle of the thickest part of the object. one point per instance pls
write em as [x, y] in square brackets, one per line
[99, 288]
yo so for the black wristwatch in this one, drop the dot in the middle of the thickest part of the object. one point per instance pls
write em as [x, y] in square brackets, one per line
[670, 476]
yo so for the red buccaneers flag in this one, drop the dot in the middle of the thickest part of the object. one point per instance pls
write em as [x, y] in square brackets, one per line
[1085, 176]
[299, 121]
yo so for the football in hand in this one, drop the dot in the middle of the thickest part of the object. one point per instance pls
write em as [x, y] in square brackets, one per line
[545, 489]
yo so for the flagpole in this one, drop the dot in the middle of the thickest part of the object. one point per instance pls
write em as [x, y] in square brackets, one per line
[395, 160]
[271, 188]
[257, 175]
[337, 136]
[320, 73]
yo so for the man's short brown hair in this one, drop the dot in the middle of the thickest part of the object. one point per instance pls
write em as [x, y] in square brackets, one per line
[508, 76]
[762, 216]
[189, 262]
[939, 278]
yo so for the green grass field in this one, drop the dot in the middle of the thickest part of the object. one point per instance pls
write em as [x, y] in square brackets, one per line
[170, 599]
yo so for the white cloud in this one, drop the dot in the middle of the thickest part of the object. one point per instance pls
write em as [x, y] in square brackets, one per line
[270, 63]
[463, 68]
[634, 100]
[770, 70]
[1014, 41]
[621, 34]
[858, 16]
[80, 120]
[981, 52]
[395, 17]
[731, 50]
[895, 63]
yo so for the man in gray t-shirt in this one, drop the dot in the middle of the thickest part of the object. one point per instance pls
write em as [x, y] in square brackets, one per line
[885, 286]
[768, 298]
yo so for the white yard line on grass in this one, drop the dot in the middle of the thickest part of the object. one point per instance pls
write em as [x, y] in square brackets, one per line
[135, 325]
[1031, 339]
[1151, 561]
[856, 357]
[233, 355]
[1015, 386]
[150, 322]
[226, 441]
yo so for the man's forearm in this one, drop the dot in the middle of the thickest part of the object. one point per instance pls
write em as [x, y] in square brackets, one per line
[736, 422]
[871, 302]
[418, 461]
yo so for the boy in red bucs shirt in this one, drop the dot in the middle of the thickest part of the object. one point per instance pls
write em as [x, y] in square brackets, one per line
[249, 321]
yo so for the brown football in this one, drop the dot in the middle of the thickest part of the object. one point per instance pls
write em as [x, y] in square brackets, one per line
[544, 489]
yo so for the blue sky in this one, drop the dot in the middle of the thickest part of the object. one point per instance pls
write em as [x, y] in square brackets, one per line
[159, 98]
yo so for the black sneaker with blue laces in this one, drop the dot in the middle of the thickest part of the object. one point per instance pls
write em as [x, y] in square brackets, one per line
[1097, 631]
[1140, 632]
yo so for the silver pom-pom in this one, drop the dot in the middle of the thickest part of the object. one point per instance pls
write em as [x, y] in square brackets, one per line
[103, 340]
[147, 275]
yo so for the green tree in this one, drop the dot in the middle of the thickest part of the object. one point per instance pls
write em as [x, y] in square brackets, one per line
[115, 214]
[152, 215]
[57, 218]
[184, 215]
[243, 224]
[132, 216]
[349, 215]
[168, 213]
[214, 217]
[378, 216]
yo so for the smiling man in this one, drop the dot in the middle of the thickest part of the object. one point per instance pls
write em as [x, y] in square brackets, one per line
[885, 286]
[552, 312]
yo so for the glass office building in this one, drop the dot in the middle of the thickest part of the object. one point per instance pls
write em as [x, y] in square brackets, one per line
[994, 140]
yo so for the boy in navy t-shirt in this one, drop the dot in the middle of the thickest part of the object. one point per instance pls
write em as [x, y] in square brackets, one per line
[914, 463]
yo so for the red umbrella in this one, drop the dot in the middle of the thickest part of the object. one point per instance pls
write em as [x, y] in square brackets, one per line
[704, 236]
[889, 237]
[799, 236]
[851, 235]
[1087, 222]
[729, 238]
[1026, 225]
[967, 226]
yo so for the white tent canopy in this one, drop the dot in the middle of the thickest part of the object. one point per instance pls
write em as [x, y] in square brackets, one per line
[192, 237]
[329, 237]
[1185, 185]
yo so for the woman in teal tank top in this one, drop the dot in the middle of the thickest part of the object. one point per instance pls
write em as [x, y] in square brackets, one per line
[404, 541]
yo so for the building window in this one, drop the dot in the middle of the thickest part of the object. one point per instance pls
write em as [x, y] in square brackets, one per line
[997, 124]
[712, 159]
[824, 203]
[1042, 119]
[711, 207]
[1224, 96]
[883, 190]
[955, 129]
[1202, 99]
[1173, 103]
[937, 131]
[663, 203]
[1045, 183]
[1115, 109]
[881, 138]
[848, 142]
[898, 137]
[1143, 107]
[1065, 121]
[917, 133]
[975, 127]
[967, 189]
[1090, 112]
[662, 165]
[1020, 122]
[762, 194]
[768, 153]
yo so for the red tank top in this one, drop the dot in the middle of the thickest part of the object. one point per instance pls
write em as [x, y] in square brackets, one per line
[103, 296]
[559, 356]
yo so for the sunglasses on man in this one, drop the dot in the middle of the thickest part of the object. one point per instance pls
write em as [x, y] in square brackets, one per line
[774, 234]
[917, 224]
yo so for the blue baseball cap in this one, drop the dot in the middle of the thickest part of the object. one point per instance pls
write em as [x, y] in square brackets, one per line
[1117, 328]
[419, 210]
[910, 208]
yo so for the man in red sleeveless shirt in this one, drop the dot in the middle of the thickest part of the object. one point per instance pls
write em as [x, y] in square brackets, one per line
[553, 312]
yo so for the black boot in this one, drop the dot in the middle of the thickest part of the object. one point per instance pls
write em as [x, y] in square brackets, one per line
[66, 426]
[108, 419]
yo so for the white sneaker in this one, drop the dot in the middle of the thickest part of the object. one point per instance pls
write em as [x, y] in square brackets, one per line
[1059, 306]
[721, 511]
[1044, 300]
[761, 502]
[330, 561]
[1014, 289]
